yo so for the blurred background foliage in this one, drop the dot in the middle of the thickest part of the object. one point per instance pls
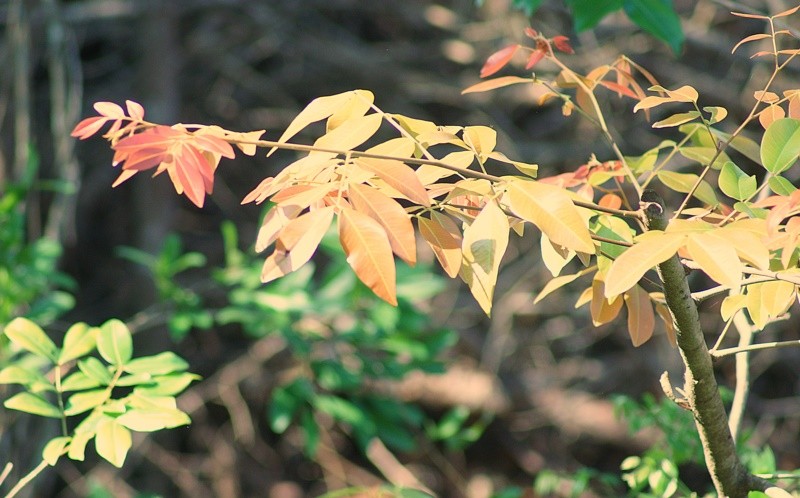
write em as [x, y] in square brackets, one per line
[312, 385]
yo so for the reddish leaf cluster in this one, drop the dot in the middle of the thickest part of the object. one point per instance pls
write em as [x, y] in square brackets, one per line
[543, 48]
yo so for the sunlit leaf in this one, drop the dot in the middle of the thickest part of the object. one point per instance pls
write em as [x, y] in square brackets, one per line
[368, 252]
[54, 449]
[683, 182]
[152, 419]
[780, 145]
[84, 401]
[497, 60]
[114, 342]
[552, 211]
[390, 215]
[645, 254]
[484, 244]
[112, 441]
[351, 133]
[677, 119]
[603, 310]
[317, 110]
[297, 242]
[399, 176]
[554, 258]
[556, 283]
[444, 237]
[736, 183]
[79, 340]
[715, 256]
[32, 403]
[27, 335]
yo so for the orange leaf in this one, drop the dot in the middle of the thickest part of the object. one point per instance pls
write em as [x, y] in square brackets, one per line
[534, 58]
[274, 221]
[485, 86]
[497, 60]
[391, 215]
[368, 252]
[641, 320]
[297, 243]
[88, 127]
[751, 38]
[399, 176]
[444, 237]
[770, 114]
[669, 325]
[603, 310]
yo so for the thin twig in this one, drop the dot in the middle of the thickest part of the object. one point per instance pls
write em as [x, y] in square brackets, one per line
[755, 347]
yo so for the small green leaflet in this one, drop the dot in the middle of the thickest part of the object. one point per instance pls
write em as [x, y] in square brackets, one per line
[735, 183]
[781, 145]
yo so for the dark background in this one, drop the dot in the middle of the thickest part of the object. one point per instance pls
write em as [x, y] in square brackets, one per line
[248, 65]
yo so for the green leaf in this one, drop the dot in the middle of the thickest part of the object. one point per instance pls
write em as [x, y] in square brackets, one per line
[160, 364]
[658, 18]
[114, 342]
[84, 401]
[78, 381]
[683, 182]
[310, 431]
[95, 370]
[781, 185]
[167, 385]
[31, 403]
[30, 337]
[112, 441]
[79, 340]
[35, 381]
[736, 183]
[54, 449]
[149, 420]
[677, 119]
[340, 409]
[587, 13]
[780, 145]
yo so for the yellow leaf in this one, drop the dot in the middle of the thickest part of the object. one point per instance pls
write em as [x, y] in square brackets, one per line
[484, 244]
[603, 310]
[747, 237]
[556, 283]
[444, 237]
[481, 139]
[390, 215]
[646, 253]
[319, 109]
[715, 256]
[641, 319]
[585, 297]
[368, 252]
[429, 174]
[731, 304]
[495, 83]
[769, 300]
[396, 147]
[296, 243]
[358, 105]
[351, 133]
[552, 211]
[554, 257]
[399, 176]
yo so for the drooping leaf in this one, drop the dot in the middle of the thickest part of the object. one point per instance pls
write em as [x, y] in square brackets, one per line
[780, 145]
[112, 441]
[368, 252]
[297, 242]
[399, 176]
[114, 342]
[390, 215]
[27, 335]
[483, 246]
[641, 319]
[554, 257]
[648, 251]
[552, 211]
[683, 182]
[603, 310]
[444, 237]
[556, 283]
[274, 221]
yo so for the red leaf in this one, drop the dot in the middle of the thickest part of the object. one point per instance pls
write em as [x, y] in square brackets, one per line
[562, 43]
[88, 127]
[497, 60]
[531, 33]
[620, 89]
[534, 58]
[215, 145]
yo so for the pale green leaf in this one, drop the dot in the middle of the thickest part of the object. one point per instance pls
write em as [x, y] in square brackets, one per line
[112, 441]
[781, 185]
[54, 449]
[30, 337]
[78, 446]
[95, 370]
[78, 381]
[79, 340]
[114, 342]
[167, 385]
[32, 403]
[149, 420]
[84, 401]
[160, 364]
[735, 183]
[683, 182]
